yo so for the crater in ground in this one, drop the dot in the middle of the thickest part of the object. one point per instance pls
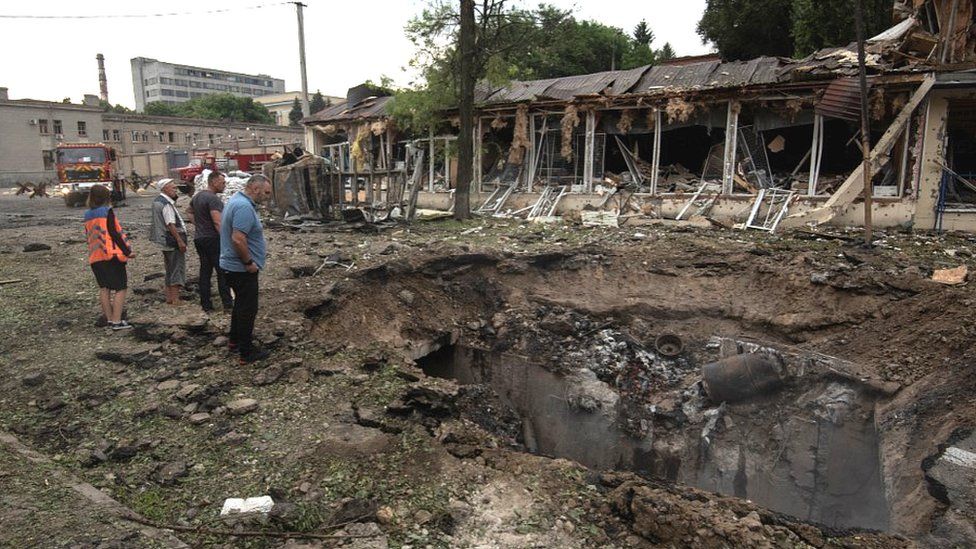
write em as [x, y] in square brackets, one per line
[556, 354]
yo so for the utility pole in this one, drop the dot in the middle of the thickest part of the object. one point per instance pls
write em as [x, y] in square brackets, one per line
[865, 122]
[301, 56]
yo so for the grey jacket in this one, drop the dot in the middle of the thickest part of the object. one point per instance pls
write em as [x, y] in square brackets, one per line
[157, 229]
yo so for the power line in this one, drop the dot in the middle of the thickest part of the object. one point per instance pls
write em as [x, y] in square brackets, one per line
[143, 15]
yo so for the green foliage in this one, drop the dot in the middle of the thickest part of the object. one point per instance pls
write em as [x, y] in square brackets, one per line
[744, 29]
[512, 44]
[317, 103]
[643, 35]
[824, 23]
[295, 115]
[158, 108]
[666, 52]
[117, 109]
[219, 106]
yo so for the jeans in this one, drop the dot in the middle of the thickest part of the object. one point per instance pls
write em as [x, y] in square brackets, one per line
[245, 286]
[209, 251]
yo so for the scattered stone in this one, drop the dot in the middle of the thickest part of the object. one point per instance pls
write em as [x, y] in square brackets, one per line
[147, 410]
[323, 370]
[422, 516]
[384, 515]
[90, 458]
[168, 473]
[221, 341]
[168, 385]
[171, 411]
[268, 375]
[123, 453]
[199, 418]
[406, 296]
[166, 373]
[242, 406]
[299, 375]
[232, 438]
[32, 379]
[190, 408]
[186, 390]
[36, 247]
[51, 405]
[293, 362]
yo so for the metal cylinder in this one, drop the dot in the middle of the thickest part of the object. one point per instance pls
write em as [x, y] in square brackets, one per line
[740, 377]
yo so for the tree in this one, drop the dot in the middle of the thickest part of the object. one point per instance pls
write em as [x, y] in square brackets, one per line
[295, 114]
[744, 29]
[470, 69]
[643, 35]
[318, 102]
[224, 106]
[819, 24]
[159, 108]
[666, 52]
[219, 106]
[117, 109]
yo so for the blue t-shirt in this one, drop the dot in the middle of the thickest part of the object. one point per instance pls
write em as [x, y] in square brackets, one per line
[240, 215]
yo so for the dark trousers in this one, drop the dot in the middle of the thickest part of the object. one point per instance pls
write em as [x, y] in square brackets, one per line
[209, 251]
[245, 286]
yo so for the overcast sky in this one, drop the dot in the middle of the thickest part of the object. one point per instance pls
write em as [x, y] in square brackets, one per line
[347, 41]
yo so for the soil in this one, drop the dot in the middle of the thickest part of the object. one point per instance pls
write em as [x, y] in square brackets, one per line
[351, 437]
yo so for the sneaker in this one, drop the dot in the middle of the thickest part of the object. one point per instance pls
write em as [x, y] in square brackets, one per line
[120, 325]
[254, 356]
[102, 322]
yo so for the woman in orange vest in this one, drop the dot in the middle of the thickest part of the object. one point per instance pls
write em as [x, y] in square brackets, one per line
[108, 250]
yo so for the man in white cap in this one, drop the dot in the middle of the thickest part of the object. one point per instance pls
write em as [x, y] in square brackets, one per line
[169, 231]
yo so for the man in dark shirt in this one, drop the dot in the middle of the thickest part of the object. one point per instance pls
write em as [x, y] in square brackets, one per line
[205, 211]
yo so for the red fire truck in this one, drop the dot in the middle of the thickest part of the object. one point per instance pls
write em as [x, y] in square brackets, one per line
[230, 161]
[81, 166]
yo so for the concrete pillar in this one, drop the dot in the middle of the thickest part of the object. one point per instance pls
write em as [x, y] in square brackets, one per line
[588, 151]
[933, 153]
[731, 139]
[656, 154]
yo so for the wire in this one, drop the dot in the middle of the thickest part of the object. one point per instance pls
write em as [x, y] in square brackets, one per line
[143, 15]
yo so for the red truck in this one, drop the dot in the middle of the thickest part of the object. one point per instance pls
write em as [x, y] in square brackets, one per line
[230, 161]
[81, 166]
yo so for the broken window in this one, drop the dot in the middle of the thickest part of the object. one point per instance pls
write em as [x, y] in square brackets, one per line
[57, 127]
[958, 187]
[42, 126]
[82, 128]
[48, 158]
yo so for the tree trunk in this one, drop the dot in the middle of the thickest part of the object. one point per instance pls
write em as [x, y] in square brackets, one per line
[467, 76]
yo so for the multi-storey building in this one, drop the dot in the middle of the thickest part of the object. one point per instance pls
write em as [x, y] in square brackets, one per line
[154, 80]
[31, 129]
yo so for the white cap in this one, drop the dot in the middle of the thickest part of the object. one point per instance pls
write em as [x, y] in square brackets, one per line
[162, 183]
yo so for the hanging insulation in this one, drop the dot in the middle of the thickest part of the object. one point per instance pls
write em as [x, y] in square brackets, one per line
[679, 110]
[626, 121]
[520, 138]
[569, 122]
[498, 123]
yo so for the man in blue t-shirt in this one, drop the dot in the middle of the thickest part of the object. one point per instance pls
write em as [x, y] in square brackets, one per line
[242, 255]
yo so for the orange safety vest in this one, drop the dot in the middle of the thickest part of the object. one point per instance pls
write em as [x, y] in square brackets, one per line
[101, 247]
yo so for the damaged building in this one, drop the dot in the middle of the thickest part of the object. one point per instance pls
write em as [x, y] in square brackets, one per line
[764, 143]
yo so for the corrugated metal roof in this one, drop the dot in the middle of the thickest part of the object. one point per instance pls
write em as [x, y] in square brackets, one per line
[520, 90]
[371, 107]
[842, 99]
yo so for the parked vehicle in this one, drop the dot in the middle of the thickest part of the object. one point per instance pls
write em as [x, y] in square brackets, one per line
[80, 166]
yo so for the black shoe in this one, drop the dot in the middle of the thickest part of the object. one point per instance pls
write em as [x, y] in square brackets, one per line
[208, 308]
[101, 322]
[254, 355]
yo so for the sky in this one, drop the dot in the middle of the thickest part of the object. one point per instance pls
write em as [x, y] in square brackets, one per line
[346, 42]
